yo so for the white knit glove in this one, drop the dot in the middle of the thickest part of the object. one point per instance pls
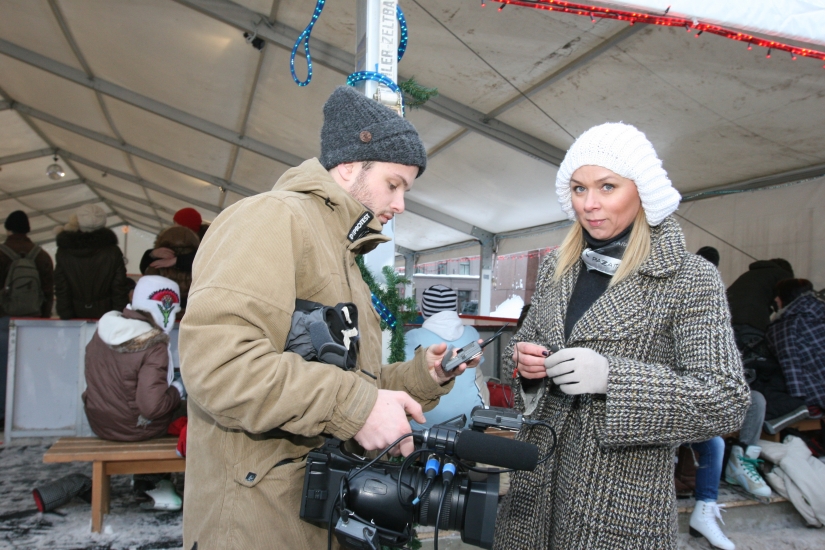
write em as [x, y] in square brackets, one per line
[578, 370]
[177, 383]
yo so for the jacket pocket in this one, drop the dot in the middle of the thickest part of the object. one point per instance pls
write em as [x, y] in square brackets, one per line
[262, 455]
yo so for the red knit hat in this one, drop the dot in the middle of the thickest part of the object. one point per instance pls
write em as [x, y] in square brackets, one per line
[188, 217]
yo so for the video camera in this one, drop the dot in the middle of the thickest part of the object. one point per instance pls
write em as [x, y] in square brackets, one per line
[369, 503]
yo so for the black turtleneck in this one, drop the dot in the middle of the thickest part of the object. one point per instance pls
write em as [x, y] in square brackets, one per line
[590, 284]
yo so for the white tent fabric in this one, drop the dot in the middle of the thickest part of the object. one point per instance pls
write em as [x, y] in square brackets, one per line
[802, 20]
[154, 105]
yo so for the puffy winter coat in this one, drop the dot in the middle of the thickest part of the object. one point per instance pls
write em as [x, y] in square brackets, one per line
[90, 276]
[255, 411]
[675, 376]
[127, 395]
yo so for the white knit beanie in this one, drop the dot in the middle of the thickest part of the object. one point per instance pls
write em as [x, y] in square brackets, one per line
[160, 297]
[91, 217]
[624, 150]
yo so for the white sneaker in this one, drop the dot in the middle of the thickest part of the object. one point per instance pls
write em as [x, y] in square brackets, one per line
[703, 524]
[741, 470]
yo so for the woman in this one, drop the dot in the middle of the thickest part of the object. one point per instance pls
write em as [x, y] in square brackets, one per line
[648, 359]
[183, 243]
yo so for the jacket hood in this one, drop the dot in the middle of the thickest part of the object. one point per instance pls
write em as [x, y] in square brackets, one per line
[446, 325]
[129, 331]
[85, 243]
[310, 178]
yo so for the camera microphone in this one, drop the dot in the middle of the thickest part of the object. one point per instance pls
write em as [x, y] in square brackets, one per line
[479, 447]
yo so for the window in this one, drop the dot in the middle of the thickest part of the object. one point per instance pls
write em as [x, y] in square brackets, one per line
[442, 268]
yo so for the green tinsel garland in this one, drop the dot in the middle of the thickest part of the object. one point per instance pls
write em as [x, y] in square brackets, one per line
[404, 309]
[416, 95]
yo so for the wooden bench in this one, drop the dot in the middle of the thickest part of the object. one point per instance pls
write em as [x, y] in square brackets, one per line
[155, 456]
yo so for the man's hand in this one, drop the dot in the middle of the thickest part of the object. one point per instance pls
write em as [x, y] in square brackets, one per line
[529, 359]
[170, 262]
[162, 253]
[164, 257]
[388, 421]
[435, 355]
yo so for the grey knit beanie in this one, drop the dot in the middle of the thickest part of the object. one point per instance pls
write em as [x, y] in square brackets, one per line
[357, 128]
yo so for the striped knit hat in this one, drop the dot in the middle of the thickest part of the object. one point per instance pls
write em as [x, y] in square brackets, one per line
[624, 150]
[438, 298]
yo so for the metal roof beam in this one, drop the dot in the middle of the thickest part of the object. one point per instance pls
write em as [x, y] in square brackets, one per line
[344, 62]
[140, 181]
[20, 157]
[61, 208]
[147, 104]
[146, 155]
[444, 219]
[4, 105]
[790, 176]
[121, 194]
[41, 189]
[160, 221]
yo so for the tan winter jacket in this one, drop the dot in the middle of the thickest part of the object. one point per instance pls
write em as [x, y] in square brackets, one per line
[255, 411]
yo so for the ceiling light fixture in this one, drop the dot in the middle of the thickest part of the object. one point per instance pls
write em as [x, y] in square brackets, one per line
[55, 171]
[254, 40]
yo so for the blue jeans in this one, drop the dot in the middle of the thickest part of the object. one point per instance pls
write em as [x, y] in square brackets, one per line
[710, 468]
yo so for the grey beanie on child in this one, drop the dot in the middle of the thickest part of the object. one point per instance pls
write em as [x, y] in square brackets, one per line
[357, 128]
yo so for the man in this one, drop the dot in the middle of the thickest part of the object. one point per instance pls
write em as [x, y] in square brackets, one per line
[255, 411]
[797, 337]
[751, 296]
[18, 245]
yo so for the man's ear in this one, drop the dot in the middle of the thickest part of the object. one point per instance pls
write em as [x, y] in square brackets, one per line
[346, 171]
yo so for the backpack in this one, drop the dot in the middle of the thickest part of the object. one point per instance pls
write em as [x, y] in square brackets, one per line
[22, 293]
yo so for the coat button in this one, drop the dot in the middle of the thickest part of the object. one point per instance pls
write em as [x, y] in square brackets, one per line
[250, 477]
[365, 136]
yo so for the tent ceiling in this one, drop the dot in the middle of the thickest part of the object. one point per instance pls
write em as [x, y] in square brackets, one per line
[159, 104]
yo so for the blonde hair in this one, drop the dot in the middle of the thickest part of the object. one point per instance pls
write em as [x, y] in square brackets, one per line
[637, 251]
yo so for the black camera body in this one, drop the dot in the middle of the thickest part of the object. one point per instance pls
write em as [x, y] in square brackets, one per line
[370, 508]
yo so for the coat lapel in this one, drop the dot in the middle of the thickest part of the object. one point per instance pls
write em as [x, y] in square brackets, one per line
[615, 314]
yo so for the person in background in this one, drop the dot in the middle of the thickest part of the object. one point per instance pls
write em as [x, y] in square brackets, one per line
[710, 254]
[439, 306]
[741, 467]
[90, 276]
[18, 245]
[131, 389]
[797, 337]
[751, 297]
[169, 257]
[629, 337]
[183, 242]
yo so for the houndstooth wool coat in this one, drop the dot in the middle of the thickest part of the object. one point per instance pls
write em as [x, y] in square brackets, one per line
[675, 376]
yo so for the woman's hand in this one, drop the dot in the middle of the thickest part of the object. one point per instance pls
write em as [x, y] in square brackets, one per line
[435, 354]
[578, 370]
[529, 359]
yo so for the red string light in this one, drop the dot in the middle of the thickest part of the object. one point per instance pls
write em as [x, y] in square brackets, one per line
[661, 20]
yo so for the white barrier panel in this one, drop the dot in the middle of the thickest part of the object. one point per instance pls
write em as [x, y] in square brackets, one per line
[46, 377]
